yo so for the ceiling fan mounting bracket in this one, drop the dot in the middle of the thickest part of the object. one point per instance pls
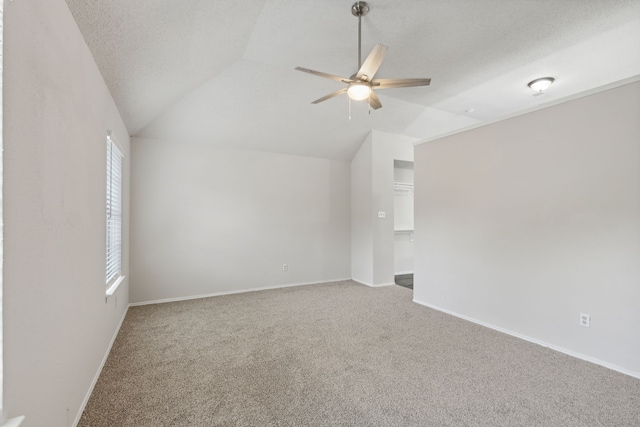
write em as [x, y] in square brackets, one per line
[360, 8]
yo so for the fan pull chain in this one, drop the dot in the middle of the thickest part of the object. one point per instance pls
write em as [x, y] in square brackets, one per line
[349, 108]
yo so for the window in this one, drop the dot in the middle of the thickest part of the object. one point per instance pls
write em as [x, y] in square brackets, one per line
[114, 215]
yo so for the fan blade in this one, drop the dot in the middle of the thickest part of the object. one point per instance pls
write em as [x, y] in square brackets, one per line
[325, 75]
[370, 66]
[331, 95]
[374, 102]
[391, 83]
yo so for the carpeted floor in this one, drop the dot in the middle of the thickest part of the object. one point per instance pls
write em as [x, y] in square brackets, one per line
[341, 354]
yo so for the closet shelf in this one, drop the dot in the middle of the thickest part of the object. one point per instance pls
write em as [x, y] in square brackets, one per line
[403, 187]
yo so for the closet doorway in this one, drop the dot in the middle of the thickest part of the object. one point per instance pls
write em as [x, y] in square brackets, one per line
[403, 222]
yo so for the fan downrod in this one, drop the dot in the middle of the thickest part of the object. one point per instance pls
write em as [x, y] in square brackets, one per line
[360, 8]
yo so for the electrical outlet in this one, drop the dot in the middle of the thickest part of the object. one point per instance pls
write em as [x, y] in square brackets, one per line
[382, 214]
[285, 267]
[585, 320]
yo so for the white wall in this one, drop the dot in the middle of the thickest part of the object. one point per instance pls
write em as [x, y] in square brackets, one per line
[361, 218]
[207, 220]
[526, 223]
[387, 147]
[1, 204]
[57, 324]
[372, 170]
[403, 252]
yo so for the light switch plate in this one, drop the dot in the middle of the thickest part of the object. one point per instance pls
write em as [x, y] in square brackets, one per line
[382, 214]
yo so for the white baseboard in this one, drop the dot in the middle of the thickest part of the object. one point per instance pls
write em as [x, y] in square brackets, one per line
[378, 285]
[13, 422]
[95, 378]
[534, 340]
[236, 291]
[403, 272]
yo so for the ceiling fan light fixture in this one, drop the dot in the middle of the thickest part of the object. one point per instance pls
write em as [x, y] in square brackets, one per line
[361, 84]
[541, 84]
[359, 91]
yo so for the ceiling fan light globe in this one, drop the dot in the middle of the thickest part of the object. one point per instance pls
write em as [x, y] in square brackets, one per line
[359, 91]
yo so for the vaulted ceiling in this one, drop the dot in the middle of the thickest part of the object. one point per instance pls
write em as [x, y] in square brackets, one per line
[222, 71]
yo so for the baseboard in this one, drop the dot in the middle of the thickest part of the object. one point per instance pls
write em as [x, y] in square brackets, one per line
[403, 272]
[534, 340]
[13, 422]
[237, 291]
[95, 378]
[379, 285]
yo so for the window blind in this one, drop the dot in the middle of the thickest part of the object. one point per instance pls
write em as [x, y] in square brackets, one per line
[114, 211]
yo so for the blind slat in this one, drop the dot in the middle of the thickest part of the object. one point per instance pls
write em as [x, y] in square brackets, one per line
[114, 211]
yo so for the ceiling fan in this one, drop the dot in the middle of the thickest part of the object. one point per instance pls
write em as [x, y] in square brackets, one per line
[360, 85]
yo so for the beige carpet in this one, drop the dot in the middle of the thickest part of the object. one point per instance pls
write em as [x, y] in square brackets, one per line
[341, 354]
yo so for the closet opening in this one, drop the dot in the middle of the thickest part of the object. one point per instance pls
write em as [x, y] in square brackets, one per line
[403, 222]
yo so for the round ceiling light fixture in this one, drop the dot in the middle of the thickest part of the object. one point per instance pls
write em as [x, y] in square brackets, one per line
[541, 84]
[359, 90]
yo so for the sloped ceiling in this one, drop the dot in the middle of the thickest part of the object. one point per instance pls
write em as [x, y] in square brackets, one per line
[222, 71]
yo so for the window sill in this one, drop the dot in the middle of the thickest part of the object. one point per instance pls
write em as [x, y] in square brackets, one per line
[13, 422]
[114, 287]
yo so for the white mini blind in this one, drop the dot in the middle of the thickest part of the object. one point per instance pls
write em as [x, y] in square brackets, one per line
[114, 211]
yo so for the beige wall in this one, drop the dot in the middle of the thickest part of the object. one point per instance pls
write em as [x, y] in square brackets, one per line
[208, 220]
[526, 223]
[57, 324]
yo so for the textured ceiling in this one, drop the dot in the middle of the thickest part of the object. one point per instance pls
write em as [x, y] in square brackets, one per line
[222, 71]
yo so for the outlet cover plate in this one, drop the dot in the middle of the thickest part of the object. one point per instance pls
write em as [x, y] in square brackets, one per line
[585, 320]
